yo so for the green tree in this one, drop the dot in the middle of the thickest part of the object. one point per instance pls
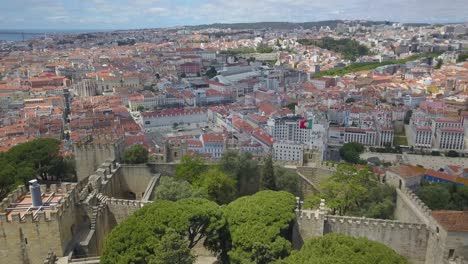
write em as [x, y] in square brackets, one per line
[268, 175]
[172, 248]
[141, 237]
[350, 100]
[243, 168]
[171, 189]
[190, 168]
[140, 108]
[292, 107]
[39, 158]
[452, 154]
[356, 191]
[135, 154]
[7, 178]
[211, 72]
[436, 197]
[462, 57]
[439, 64]
[286, 180]
[259, 227]
[350, 152]
[407, 118]
[337, 248]
[217, 185]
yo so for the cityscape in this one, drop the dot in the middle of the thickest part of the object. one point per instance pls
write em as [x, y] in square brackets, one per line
[203, 133]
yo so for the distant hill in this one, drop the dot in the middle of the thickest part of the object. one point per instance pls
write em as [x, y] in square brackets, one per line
[281, 25]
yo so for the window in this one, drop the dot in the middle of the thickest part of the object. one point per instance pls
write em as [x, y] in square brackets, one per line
[451, 253]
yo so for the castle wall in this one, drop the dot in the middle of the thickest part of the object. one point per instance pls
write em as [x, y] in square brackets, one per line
[408, 240]
[308, 225]
[165, 169]
[409, 208]
[120, 209]
[135, 179]
[90, 155]
[29, 239]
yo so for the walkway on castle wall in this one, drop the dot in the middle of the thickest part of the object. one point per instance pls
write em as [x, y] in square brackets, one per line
[150, 188]
[309, 182]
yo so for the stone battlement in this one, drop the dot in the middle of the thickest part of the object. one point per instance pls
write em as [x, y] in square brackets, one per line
[13, 197]
[371, 222]
[52, 213]
[129, 203]
[417, 202]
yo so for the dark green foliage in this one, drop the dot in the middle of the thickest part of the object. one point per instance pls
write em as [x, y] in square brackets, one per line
[145, 236]
[442, 196]
[349, 48]
[435, 153]
[211, 72]
[171, 189]
[452, 154]
[355, 192]
[190, 168]
[39, 158]
[259, 226]
[238, 51]
[462, 57]
[286, 180]
[264, 49]
[350, 152]
[439, 64]
[135, 154]
[172, 248]
[292, 107]
[140, 108]
[217, 185]
[340, 249]
[268, 175]
[243, 169]
[366, 66]
[435, 197]
[350, 100]
[408, 115]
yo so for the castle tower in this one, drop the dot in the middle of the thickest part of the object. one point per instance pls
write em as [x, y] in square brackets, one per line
[30, 228]
[93, 150]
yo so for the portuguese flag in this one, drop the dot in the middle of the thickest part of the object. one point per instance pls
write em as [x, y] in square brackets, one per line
[306, 123]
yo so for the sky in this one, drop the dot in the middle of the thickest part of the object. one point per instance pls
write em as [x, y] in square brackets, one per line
[133, 14]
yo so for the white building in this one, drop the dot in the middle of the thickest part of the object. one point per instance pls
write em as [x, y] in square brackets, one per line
[366, 137]
[168, 117]
[287, 129]
[422, 137]
[450, 138]
[288, 151]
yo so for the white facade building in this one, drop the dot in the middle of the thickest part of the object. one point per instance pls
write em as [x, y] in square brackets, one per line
[168, 117]
[287, 129]
[450, 138]
[288, 151]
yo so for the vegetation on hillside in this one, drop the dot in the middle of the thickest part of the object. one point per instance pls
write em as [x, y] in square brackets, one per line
[355, 192]
[135, 154]
[350, 49]
[441, 196]
[337, 248]
[39, 159]
[366, 66]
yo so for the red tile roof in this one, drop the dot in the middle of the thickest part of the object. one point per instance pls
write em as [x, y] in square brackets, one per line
[456, 221]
